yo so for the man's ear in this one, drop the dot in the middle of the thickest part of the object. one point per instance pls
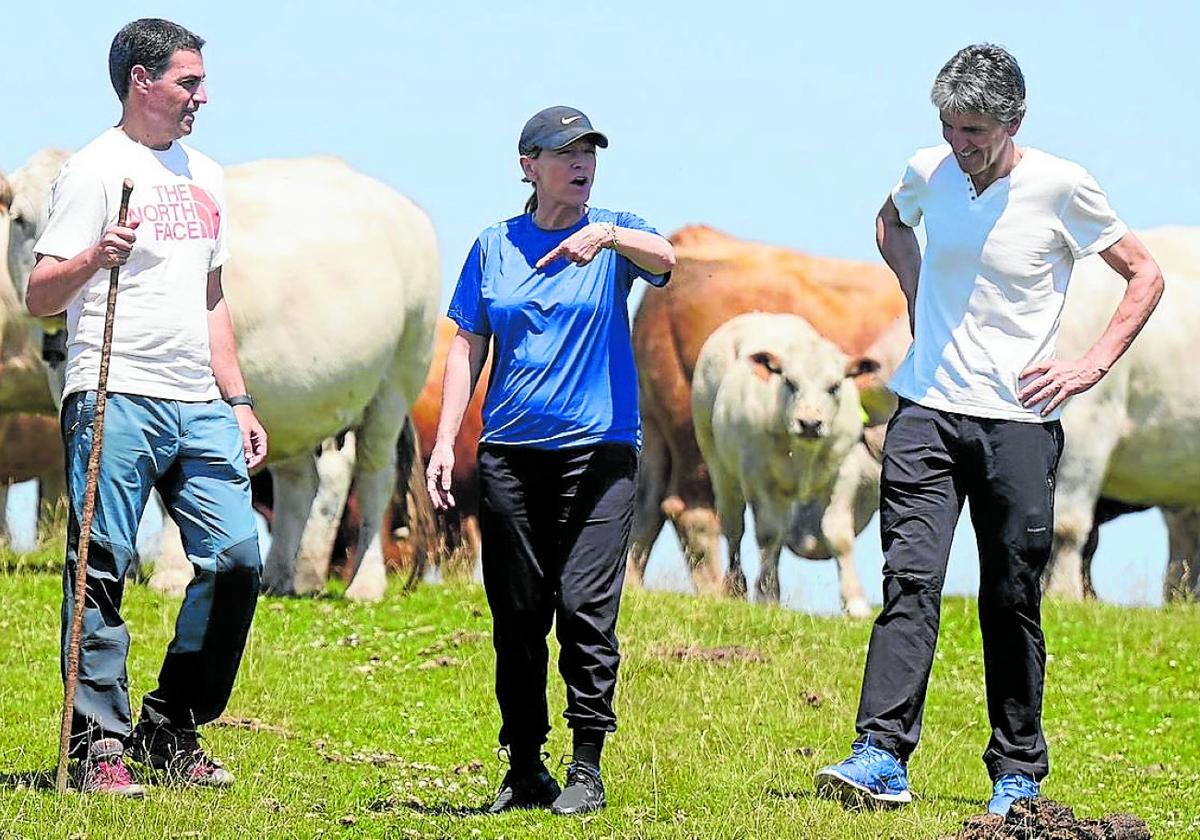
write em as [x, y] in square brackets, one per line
[139, 78]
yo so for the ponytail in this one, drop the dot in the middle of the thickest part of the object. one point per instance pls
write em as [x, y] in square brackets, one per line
[531, 204]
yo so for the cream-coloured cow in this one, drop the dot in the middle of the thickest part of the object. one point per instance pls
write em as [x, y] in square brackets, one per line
[777, 415]
[333, 284]
[1135, 436]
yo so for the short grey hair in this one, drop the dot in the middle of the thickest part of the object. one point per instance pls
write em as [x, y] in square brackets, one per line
[981, 79]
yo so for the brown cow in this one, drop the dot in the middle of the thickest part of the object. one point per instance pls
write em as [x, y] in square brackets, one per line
[30, 447]
[459, 527]
[717, 277]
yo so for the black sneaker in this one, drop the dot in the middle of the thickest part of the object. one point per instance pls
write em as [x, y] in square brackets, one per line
[584, 792]
[178, 754]
[525, 789]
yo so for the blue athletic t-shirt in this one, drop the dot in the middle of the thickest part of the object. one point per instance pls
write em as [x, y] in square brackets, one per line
[563, 372]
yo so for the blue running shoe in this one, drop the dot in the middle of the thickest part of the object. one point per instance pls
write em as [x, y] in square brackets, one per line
[1008, 788]
[870, 776]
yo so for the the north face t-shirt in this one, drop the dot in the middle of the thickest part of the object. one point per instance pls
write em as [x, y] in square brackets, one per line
[160, 329]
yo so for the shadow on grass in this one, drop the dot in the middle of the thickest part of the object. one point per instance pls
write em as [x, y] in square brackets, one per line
[30, 779]
[445, 809]
[811, 795]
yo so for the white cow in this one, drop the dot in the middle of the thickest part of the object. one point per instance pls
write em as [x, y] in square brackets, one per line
[856, 490]
[1134, 437]
[776, 415]
[333, 284]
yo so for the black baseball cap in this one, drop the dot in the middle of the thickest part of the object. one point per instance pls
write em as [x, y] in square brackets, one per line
[556, 127]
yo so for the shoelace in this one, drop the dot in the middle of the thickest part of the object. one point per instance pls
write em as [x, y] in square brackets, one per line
[190, 757]
[871, 756]
[576, 772]
[504, 756]
[1015, 786]
[113, 773]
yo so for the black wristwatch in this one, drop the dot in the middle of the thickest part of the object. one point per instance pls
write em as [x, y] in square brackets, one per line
[241, 399]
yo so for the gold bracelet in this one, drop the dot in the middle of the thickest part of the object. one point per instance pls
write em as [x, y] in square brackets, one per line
[612, 231]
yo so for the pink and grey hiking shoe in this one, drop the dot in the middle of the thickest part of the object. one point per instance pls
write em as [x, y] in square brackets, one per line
[177, 753]
[104, 771]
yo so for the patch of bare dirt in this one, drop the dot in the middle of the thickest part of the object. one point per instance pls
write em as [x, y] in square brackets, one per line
[455, 640]
[252, 724]
[1045, 819]
[720, 655]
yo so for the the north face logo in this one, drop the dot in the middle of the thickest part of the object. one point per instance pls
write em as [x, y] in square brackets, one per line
[181, 211]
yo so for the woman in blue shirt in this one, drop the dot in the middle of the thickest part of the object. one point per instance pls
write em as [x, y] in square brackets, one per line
[558, 453]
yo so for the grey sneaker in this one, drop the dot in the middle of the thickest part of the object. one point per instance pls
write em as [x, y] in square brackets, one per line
[178, 754]
[536, 789]
[584, 792]
[104, 771]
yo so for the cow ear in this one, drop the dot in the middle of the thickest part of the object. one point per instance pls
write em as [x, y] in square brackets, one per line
[765, 364]
[860, 366]
[6, 194]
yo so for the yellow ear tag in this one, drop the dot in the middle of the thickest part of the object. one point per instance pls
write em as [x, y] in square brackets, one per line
[862, 415]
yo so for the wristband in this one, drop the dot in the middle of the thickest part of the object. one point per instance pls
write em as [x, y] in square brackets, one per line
[241, 399]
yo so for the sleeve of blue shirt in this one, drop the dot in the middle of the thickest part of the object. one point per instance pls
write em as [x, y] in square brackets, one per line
[467, 308]
[632, 271]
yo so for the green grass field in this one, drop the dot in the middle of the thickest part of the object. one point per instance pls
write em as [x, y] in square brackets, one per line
[378, 721]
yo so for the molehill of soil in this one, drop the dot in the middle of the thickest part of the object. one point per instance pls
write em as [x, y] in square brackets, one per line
[1045, 819]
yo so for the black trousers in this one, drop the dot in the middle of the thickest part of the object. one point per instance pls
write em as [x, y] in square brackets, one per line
[555, 526]
[932, 461]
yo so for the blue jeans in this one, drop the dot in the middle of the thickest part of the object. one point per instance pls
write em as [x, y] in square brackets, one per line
[192, 453]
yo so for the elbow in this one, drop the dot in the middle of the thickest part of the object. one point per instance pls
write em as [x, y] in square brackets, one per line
[38, 307]
[1158, 284]
[668, 259]
[1153, 286]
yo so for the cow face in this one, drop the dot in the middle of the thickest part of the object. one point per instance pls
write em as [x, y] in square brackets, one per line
[25, 225]
[815, 396]
[26, 196]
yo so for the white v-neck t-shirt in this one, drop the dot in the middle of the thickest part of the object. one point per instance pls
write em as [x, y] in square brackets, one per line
[994, 275]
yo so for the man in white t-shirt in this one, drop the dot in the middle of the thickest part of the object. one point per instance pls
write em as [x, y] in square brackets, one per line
[980, 392]
[178, 417]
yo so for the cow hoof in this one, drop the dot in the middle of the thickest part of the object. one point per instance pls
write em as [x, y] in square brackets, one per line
[169, 582]
[369, 585]
[859, 608]
[278, 590]
[735, 586]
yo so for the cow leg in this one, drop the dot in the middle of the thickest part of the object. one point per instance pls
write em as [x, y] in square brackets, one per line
[731, 507]
[1182, 579]
[374, 483]
[295, 485]
[335, 467]
[1079, 478]
[838, 528]
[771, 519]
[4, 529]
[172, 569]
[654, 471]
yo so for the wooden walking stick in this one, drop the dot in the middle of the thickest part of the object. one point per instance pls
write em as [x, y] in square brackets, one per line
[89, 510]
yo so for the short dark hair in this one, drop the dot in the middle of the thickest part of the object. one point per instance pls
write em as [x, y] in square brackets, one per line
[149, 42]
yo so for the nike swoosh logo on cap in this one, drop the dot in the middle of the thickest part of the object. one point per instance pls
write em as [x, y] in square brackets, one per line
[569, 120]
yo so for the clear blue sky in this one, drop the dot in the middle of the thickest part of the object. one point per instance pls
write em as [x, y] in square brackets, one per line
[780, 122]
